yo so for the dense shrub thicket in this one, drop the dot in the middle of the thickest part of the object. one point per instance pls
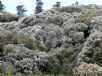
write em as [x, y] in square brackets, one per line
[7, 17]
[54, 41]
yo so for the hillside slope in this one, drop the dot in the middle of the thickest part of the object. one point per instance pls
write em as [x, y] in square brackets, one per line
[54, 41]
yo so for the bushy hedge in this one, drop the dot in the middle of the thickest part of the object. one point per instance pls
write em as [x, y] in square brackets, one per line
[7, 17]
[88, 70]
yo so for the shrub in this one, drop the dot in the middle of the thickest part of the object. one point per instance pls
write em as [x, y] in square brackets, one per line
[7, 17]
[63, 62]
[97, 56]
[53, 65]
[83, 19]
[91, 51]
[88, 70]
[24, 59]
[70, 9]
[25, 66]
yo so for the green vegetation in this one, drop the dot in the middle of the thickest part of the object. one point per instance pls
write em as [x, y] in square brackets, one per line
[44, 75]
[8, 71]
[9, 74]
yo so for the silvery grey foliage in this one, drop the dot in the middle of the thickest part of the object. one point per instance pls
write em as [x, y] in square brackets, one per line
[7, 17]
[25, 65]
[96, 23]
[90, 46]
[93, 44]
[23, 59]
[88, 70]
[29, 43]
[50, 31]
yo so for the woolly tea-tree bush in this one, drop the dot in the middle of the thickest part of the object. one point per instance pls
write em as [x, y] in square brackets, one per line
[88, 70]
[7, 17]
[53, 41]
